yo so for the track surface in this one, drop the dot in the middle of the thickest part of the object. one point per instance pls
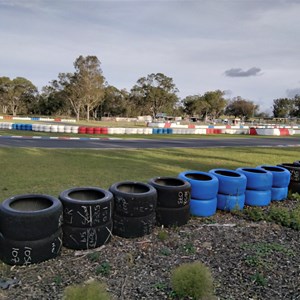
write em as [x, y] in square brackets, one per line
[29, 142]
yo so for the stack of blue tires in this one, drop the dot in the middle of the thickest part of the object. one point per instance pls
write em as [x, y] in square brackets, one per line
[231, 192]
[280, 183]
[204, 189]
[259, 186]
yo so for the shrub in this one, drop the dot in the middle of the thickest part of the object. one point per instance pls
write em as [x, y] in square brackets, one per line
[280, 215]
[192, 280]
[295, 219]
[88, 291]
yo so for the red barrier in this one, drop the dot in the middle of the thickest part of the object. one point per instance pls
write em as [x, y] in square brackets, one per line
[217, 131]
[82, 130]
[284, 131]
[253, 131]
[7, 117]
[104, 130]
[191, 126]
[167, 125]
[57, 119]
[90, 130]
[97, 130]
[209, 130]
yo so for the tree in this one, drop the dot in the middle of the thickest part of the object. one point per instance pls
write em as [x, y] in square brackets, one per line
[211, 104]
[239, 107]
[216, 103]
[51, 102]
[115, 102]
[15, 94]
[153, 94]
[89, 81]
[282, 107]
[196, 106]
[5, 84]
[295, 112]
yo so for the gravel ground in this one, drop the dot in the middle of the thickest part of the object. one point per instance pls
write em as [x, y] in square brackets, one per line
[248, 260]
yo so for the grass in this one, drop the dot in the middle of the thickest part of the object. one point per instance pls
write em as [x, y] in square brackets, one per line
[51, 171]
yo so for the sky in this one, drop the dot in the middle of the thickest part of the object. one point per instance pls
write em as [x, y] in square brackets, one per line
[248, 48]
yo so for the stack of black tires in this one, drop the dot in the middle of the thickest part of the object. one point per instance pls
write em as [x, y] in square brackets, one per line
[30, 227]
[87, 214]
[173, 201]
[294, 169]
[134, 208]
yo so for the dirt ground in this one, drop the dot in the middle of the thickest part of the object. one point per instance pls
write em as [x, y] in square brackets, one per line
[248, 260]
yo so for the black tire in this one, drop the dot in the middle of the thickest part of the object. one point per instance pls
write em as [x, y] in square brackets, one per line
[30, 217]
[86, 238]
[134, 199]
[172, 192]
[30, 252]
[169, 217]
[294, 187]
[297, 162]
[293, 169]
[86, 207]
[132, 227]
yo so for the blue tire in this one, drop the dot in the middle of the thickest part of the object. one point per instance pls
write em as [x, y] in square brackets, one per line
[279, 193]
[230, 182]
[203, 208]
[229, 203]
[281, 176]
[257, 179]
[258, 198]
[204, 185]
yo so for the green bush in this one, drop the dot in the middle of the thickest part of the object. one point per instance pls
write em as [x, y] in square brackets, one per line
[295, 218]
[192, 280]
[88, 291]
[280, 215]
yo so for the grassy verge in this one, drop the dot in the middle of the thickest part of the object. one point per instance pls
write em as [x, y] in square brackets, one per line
[50, 171]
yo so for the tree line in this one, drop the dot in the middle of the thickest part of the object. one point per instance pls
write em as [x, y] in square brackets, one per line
[85, 93]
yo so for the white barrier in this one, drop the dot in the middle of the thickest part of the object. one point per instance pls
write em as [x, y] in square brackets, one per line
[61, 128]
[74, 129]
[54, 128]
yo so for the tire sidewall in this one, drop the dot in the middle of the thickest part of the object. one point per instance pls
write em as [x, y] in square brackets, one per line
[29, 225]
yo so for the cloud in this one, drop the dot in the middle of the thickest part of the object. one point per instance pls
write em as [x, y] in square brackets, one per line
[238, 72]
[291, 93]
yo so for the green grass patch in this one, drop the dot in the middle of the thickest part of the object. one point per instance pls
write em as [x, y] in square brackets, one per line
[51, 171]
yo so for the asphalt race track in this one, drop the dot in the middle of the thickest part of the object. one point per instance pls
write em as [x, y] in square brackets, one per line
[30, 142]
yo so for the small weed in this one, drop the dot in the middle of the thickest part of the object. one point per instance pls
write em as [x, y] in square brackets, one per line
[294, 196]
[57, 280]
[253, 260]
[94, 256]
[103, 269]
[162, 235]
[259, 279]
[255, 214]
[165, 251]
[295, 219]
[280, 215]
[160, 286]
[88, 291]
[192, 280]
[189, 248]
